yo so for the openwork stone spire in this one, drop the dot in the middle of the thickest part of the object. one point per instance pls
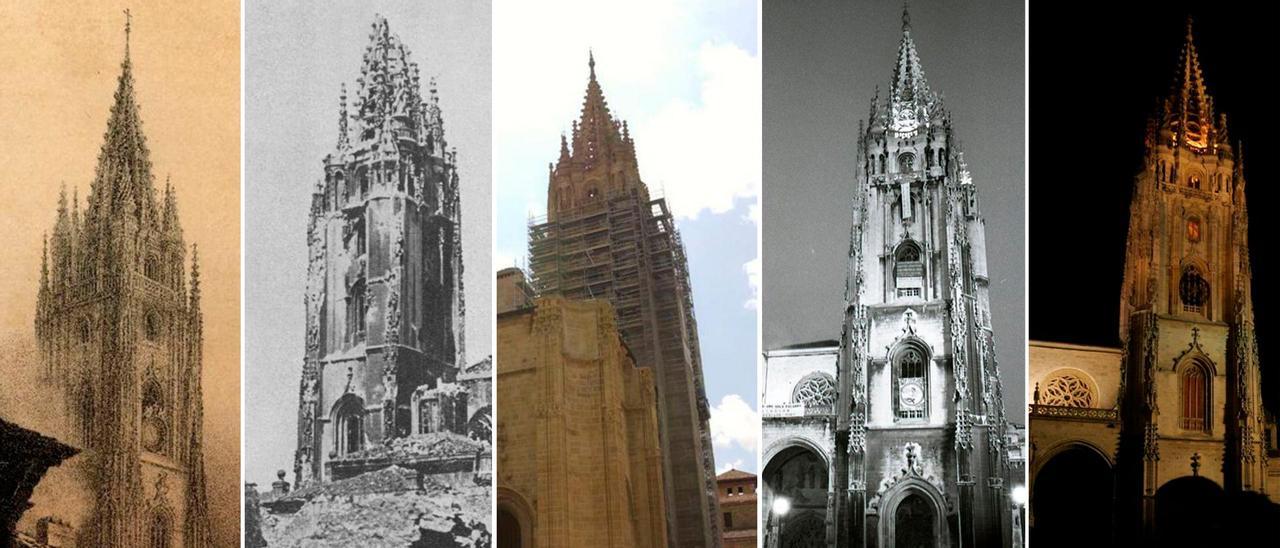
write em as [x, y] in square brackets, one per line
[910, 99]
[1189, 109]
[123, 184]
[598, 134]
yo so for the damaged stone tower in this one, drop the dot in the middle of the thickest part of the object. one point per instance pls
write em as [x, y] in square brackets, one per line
[605, 237]
[384, 283]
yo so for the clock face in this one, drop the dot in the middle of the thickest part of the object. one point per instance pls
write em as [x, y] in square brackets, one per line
[153, 435]
[911, 395]
[1193, 230]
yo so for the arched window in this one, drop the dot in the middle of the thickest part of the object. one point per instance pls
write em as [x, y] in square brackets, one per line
[908, 271]
[160, 530]
[86, 332]
[155, 429]
[1194, 290]
[911, 383]
[906, 162]
[1196, 397]
[151, 326]
[151, 267]
[357, 309]
[348, 419]
[882, 164]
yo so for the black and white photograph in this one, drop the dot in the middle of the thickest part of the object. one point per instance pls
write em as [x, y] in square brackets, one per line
[891, 391]
[368, 418]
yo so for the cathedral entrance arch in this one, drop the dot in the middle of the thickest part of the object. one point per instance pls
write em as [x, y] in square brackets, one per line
[913, 521]
[1071, 498]
[913, 514]
[1189, 512]
[800, 474]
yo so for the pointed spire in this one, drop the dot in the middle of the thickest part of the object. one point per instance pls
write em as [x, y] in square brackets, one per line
[123, 185]
[195, 279]
[906, 18]
[910, 99]
[1190, 107]
[44, 262]
[128, 33]
[596, 134]
[564, 151]
[343, 140]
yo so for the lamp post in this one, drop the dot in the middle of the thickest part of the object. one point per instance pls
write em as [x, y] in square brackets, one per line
[1019, 496]
[781, 506]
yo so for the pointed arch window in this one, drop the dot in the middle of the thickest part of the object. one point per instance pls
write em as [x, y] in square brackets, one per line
[906, 162]
[155, 427]
[908, 271]
[1196, 397]
[911, 383]
[348, 420]
[1193, 290]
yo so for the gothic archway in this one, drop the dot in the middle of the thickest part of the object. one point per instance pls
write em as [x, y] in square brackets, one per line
[913, 523]
[913, 514]
[1189, 512]
[801, 475]
[348, 424]
[1071, 498]
[160, 529]
[515, 520]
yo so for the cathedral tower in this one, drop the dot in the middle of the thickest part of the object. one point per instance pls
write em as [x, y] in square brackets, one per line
[1190, 403]
[384, 303]
[606, 237]
[119, 327]
[920, 443]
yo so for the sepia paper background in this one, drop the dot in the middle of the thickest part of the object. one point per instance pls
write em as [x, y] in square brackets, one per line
[60, 65]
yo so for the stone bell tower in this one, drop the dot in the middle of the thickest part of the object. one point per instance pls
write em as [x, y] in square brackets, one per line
[384, 303]
[1190, 402]
[921, 426]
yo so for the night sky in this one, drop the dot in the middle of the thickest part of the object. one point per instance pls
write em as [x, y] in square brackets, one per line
[1095, 80]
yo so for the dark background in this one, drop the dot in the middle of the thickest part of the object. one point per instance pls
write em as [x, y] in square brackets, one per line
[1096, 76]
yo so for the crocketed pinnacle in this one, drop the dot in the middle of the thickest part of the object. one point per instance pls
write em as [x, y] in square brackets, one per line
[1189, 109]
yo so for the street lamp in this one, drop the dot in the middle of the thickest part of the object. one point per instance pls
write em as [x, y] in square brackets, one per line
[778, 511]
[1019, 496]
[781, 506]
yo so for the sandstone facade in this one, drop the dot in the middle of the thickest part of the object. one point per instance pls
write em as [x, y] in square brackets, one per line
[579, 463]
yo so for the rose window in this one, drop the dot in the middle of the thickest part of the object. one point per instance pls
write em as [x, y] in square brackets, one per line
[1067, 391]
[818, 390]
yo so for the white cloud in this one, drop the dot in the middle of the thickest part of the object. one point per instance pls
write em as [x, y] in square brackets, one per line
[540, 56]
[735, 465]
[734, 422]
[705, 155]
[752, 268]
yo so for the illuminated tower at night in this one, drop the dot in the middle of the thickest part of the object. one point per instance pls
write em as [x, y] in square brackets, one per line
[1190, 399]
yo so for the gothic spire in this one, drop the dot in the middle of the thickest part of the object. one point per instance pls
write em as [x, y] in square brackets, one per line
[910, 100]
[596, 133]
[1190, 107]
[122, 184]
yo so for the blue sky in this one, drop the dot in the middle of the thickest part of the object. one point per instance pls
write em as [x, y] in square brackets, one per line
[687, 80]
